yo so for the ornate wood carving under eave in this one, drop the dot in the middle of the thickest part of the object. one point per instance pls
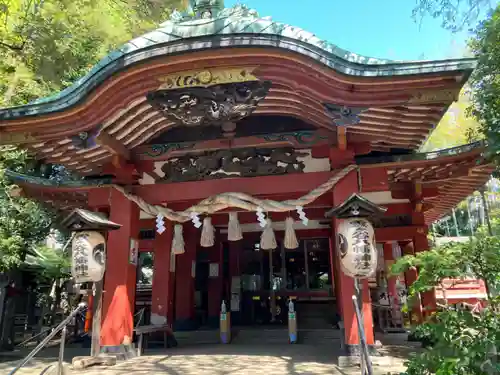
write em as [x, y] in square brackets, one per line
[206, 78]
[296, 139]
[434, 96]
[219, 104]
[233, 163]
[343, 115]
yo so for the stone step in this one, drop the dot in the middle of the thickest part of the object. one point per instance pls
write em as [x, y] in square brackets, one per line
[319, 336]
[256, 336]
[260, 336]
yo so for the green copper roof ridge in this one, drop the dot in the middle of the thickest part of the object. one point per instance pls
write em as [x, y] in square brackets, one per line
[423, 156]
[233, 27]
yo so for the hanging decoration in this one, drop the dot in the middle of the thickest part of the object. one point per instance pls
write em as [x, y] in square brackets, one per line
[290, 237]
[357, 251]
[88, 256]
[355, 235]
[178, 240]
[195, 219]
[160, 224]
[302, 215]
[233, 228]
[261, 217]
[207, 233]
[268, 239]
[243, 201]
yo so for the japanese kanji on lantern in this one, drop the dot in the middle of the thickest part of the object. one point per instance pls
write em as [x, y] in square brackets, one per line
[88, 255]
[357, 250]
[356, 243]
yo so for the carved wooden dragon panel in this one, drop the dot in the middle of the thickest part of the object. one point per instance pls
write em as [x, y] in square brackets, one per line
[233, 163]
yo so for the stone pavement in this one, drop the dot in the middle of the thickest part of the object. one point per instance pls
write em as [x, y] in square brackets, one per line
[223, 360]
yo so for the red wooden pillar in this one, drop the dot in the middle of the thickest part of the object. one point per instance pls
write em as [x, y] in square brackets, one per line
[411, 277]
[162, 303]
[121, 274]
[429, 304]
[345, 288]
[184, 280]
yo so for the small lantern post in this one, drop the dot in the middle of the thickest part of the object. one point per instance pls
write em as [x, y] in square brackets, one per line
[358, 254]
[88, 259]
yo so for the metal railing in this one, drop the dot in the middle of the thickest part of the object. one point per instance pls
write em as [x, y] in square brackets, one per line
[62, 327]
[366, 363]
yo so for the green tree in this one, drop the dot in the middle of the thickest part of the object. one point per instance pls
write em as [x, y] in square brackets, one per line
[486, 80]
[45, 45]
[23, 222]
[462, 341]
[455, 15]
[457, 127]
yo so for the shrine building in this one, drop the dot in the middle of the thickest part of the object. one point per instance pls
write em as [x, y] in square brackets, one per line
[269, 122]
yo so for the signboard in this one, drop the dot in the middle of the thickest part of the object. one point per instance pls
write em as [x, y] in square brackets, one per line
[134, 251]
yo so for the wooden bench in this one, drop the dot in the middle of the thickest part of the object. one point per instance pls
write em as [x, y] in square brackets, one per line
[146, 330]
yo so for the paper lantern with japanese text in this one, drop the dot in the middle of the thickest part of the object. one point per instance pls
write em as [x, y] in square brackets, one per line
[88, 259]
[357, 248]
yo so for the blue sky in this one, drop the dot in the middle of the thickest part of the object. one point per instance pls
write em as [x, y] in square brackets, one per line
[375, 28]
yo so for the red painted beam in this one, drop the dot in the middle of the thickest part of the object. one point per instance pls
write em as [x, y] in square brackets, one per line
[263, 185]
[397, 233]
[399, 209]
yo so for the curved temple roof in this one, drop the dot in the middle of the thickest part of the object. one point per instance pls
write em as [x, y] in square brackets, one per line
[229, 27]
[398, 103]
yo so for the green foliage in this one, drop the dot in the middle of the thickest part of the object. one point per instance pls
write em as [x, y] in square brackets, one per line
[486, 80]
[457, 127]
[45, 45]
[23, 222]
[465, 343]
[50, 264]
[455, 15]
[433, 266]
[479, 258]
[462, 342]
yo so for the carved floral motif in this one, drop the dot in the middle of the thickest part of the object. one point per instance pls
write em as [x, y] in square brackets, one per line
[227, 163]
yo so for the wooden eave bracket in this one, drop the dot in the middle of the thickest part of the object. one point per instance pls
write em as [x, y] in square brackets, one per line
[113, 145]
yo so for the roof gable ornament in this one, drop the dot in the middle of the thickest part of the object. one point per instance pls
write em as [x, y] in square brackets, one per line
[206, 8]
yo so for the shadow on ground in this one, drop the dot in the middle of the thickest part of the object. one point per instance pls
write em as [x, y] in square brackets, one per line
[219, 360]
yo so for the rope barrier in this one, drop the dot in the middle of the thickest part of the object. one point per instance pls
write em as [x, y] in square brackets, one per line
[243, 201]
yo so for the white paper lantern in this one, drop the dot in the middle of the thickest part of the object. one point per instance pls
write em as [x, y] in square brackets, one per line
[357, 248]
[88, 257]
